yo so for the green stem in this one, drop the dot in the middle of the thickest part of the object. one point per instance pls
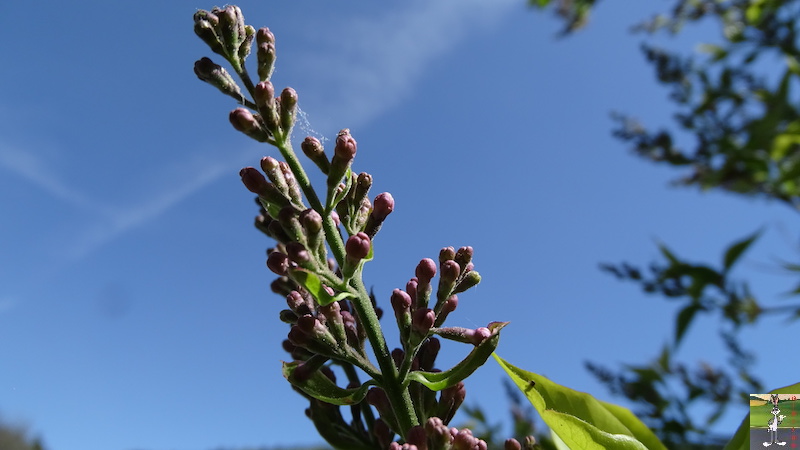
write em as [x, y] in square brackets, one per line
[366, 411]
[331, 232]
[392, 384]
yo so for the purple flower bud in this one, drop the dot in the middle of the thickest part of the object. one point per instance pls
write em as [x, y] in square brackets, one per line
[383, 206]
[464, 256]
[296, 302]
[411, 288]
[479, 335]
[447, 281]
[401, 301]
[205, 25]
[216, 75]
[345, 148]
[265, 53]
[243, 120]
[512, 444]
[264, 95]
[383, 434]
[449, 306]
[311, 221]
[278, 263]
[297, 253]
[438, 433]
[446, 254]
[312, 148]
[288, 316]
[253, 180]
[297, 337]
[426, 270]
[397, 355]
[450, 399]
[288, 108]
[417, 438]
[422, 320]
[357, 246]
[428, 352]
[530, 443]
[265, 36]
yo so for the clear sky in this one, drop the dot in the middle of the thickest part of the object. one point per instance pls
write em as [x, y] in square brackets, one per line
[134, 303]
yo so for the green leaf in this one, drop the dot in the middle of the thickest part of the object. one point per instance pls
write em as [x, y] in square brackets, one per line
[741, 439]
[668, 254]
[736, 250]
[311, 283]
[322, 388]
[579, 419]
[685, 318]
[436, 381]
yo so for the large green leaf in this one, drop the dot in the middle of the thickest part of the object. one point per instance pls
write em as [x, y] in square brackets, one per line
[580, 420]
[741, 440]
[312, 283]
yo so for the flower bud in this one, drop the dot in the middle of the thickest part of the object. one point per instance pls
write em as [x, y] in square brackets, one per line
[232, 33]
[205, 25]
[417, 438]
[215, 75]
[292, 187]
[428, 352]
[397, 356]
[382, 433]
[382, 207]
[297, 303]
[278, 263]
[450, 399]
[469, 280]
[446, 254]
[426, 270]
[377, 397]
[357, 246]
[448, 306]
[312, 148]
[282, 286]
[247, 42]
[512, 444]
[253, 180]
[271, 168]
[246, 122]
[422, 321]
[265, 53]
[447, 280]
[343, 154]
[287, 316]
[411, 288]
[297, 253]
[463, 256]
[288, 109]
[438, 433]
[335, 321]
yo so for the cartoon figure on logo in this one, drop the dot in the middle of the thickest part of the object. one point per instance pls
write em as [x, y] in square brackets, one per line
[773, 423]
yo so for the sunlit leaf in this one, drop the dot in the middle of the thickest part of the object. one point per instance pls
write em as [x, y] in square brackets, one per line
[579, 419]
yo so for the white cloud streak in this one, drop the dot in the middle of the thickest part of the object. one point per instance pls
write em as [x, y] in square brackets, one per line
[374, 62]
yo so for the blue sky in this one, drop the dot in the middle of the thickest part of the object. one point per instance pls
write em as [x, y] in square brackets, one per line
[134, 302]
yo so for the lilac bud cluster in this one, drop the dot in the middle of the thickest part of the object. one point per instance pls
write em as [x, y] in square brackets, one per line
[319, 257]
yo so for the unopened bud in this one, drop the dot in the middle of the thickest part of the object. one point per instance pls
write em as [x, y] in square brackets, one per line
[512, 444]
[357, 246]
[464, 256]
[297, 253]
[422, 320]
[278, 263]
[205, 25]
[215, 75]
[246, 122]
[448, 306]
[312, 148]
[426, 270]
[343, 154]
[447, 280]
[265, 53]
[253, 180]
[446, 254]
[470, 279]
[288, 109]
